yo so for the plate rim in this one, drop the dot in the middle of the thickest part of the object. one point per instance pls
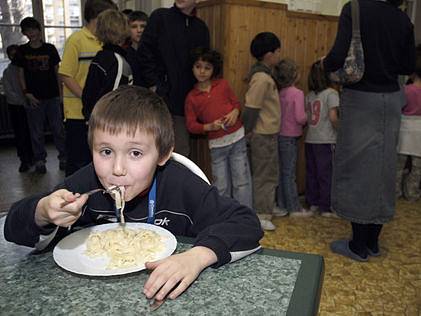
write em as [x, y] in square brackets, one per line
[56, 250]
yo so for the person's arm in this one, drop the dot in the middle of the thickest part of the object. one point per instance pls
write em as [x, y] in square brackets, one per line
[225, 230]
[148, 51]
[336, 57]
[332, 105]
[72, 85]
[33, 101]
[299, 108]
[253, 101]
[231, 118]
[408, 60]
[69, 67]
[94, 87]
[333, 117]
[192, 122]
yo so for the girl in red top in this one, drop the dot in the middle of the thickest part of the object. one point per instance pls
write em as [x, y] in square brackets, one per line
[212, 108]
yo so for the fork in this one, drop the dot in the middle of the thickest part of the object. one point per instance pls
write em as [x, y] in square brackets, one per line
[156, 304]
[89, 193]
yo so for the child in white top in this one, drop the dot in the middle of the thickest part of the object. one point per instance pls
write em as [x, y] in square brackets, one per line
[322, 111]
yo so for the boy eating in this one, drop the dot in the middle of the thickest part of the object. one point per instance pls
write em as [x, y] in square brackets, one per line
[131, 139]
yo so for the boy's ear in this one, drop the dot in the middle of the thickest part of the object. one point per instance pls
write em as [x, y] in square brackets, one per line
[164, 160]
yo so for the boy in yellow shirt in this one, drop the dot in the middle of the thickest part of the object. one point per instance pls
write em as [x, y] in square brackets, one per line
[80, 48]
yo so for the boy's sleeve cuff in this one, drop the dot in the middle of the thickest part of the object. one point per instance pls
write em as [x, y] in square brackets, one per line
[218, 247]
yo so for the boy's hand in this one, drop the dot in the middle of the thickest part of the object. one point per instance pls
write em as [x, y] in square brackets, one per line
[231, 118]
[61, 208]
[177, 272]
[214, 126]
[32, 100]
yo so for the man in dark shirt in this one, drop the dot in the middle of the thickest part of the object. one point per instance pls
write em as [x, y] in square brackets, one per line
[38, 64]
[165, 62]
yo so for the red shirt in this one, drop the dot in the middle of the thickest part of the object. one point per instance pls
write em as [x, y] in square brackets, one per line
[205, 107]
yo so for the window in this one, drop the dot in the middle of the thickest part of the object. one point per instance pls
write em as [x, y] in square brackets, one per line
[61, 18]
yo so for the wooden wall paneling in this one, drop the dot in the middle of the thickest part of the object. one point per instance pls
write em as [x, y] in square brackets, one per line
[304, 37]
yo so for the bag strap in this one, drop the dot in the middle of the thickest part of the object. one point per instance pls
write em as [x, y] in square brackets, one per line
[119, 71]
[355, 10]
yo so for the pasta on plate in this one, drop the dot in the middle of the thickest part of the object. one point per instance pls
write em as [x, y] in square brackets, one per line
[125, 247]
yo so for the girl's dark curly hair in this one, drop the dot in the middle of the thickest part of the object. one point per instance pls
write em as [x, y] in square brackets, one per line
[210, 56]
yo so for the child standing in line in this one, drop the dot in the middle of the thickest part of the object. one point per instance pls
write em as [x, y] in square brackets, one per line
[131, 136]
[408, 181]
[79, 50]
[137, 23]
[16, 105]
[322, 110]
[109, 69]
[212, 108]
[261, 117]
[38, 64]
[293, 119]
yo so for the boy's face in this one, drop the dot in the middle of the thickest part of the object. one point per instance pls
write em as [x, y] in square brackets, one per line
[273, 58]
[202, 70]
[126, 161]
[136, 30]
[32, 34]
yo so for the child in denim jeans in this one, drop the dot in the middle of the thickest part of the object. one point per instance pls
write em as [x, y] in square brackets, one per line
[212, 108]
[293, 119]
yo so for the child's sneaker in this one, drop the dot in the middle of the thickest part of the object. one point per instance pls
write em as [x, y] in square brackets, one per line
[314, 208]
[330, 214]
[267, 224]
[279, 212]
[302, 213]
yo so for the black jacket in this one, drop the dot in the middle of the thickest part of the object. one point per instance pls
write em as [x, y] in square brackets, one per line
[104, 76]
[388, 41]
[164, 54]
[185, 205]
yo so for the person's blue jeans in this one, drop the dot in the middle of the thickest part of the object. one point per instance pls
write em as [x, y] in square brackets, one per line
[231, 172]
[48, 109]
[287, 195]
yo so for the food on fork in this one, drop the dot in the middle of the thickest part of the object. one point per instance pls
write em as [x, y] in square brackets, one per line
[117, 192]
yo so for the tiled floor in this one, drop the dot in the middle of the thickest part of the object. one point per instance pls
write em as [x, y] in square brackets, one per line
[388, 285]
[15, 185]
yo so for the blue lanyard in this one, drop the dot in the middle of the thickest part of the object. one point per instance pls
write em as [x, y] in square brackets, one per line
[151, 203]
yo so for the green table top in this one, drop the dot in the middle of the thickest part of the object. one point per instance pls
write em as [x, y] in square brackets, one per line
[270, 282]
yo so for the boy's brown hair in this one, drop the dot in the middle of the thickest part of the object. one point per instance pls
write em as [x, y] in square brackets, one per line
[112, 27]
[318, 79]
[133, 108]
[285, 73]
[93, 8]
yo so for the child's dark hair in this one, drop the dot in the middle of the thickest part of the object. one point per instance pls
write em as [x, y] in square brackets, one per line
[127, 11]
[210, 56]
[318, 79]
[132, 109]
[263, 43]
[285, 73]
[138, 16]
[29, 23]
[94, 7]
[10, 49]
[396, 3]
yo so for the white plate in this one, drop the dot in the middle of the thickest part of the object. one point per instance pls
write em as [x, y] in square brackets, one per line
[69, 253]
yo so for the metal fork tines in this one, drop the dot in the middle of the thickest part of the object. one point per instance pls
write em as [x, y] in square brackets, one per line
[156, 304]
